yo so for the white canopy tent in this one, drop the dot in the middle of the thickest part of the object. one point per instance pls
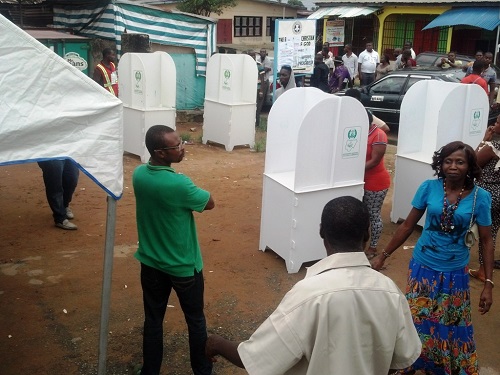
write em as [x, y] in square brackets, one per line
[50, 110]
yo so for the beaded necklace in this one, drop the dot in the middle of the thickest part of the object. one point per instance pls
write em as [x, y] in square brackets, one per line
[449, 210]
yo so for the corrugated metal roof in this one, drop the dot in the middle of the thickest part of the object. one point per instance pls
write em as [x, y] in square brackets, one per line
[342, 12]
[51, 34]
[484, 17]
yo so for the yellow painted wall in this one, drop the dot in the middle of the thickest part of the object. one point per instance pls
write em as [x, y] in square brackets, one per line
[389, 10]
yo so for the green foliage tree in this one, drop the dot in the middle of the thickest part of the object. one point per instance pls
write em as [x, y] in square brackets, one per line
[296, 3]
[205, 7]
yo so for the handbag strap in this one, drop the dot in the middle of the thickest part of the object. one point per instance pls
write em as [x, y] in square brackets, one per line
[471, 223]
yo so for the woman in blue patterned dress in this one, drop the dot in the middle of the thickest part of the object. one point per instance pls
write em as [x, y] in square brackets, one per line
[438, 282]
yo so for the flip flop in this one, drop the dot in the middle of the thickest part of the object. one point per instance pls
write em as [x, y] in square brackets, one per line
[475, 275]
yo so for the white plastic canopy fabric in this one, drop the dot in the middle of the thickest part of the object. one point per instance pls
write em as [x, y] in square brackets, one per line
[51, 110]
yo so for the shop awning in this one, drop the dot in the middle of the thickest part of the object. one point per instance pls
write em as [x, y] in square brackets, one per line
[342, 12]
[484, 17]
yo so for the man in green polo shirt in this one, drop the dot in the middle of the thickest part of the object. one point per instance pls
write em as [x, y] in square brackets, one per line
[169, 251]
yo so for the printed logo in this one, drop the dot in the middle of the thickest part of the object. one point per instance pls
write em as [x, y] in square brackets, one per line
[297, 27]
[226, 81]
[138, 82]
[475, 122]
[138, 77]
[76, 60]
[351, 142]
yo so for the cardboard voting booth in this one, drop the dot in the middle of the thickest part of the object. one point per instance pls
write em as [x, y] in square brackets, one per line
[230, 100]
[147, 87]
[315, 151]
[433, 114]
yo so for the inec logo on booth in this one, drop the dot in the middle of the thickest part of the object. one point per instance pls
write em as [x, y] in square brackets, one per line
[351, 142]
[138, 82]
[138, 77]
[226, 81]
[475, 122]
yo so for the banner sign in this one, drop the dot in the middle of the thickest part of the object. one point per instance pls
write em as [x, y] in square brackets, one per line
[295, 44]
[334, 33]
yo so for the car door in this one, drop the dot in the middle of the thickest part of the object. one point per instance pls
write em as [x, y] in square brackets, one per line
[382, 98]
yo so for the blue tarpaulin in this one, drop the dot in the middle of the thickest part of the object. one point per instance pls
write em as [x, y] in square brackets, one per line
[484, 17]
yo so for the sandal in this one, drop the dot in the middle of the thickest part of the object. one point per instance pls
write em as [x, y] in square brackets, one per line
[475, 275]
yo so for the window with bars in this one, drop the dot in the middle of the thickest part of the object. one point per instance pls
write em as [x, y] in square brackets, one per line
[270, 25]
[399, 28]
[247, 26]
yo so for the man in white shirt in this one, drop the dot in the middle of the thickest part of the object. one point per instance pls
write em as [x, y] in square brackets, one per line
[266, 63]
[328, 58]
[350, 61]
[367, 64]
[342, 318]
[268, 68]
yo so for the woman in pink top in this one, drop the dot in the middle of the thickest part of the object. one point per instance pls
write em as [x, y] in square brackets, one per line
[377, 182]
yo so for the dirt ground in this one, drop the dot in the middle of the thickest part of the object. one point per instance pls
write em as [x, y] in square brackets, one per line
[50, 279]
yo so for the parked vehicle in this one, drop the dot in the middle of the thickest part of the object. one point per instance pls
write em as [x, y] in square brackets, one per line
[434, 58]
[384, 97]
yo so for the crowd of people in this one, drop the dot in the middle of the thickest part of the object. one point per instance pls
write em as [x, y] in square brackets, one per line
[428, 329]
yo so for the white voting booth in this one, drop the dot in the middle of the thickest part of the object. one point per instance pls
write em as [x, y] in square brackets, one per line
[315, 151]
[433, 114]
[147, 88]
[230, 100]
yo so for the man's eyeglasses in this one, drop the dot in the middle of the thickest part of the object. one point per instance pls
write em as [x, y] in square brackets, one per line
[179, 147]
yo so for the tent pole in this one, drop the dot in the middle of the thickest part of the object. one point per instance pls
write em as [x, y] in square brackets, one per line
[495, 58]
[106, 284]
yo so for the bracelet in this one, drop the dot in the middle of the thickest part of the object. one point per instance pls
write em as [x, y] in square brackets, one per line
[384, 253]
[490, 281]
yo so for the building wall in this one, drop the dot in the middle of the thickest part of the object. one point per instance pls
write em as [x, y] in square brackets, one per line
[391, 26]
[401, 23]
[248, 8]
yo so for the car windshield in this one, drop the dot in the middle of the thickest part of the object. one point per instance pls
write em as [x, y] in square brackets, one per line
[425, 60]
[453, 75]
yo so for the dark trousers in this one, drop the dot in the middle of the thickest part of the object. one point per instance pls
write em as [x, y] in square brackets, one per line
[260, 102]
[156, 288]
[60, 178]
[367, 78]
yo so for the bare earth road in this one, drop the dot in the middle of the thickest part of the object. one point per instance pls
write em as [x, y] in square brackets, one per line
[50, 279]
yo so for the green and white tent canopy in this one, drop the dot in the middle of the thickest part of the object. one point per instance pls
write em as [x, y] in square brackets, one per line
[111, 20]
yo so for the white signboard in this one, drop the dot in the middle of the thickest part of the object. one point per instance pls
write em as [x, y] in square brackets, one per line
[295, 44]
[334, 33]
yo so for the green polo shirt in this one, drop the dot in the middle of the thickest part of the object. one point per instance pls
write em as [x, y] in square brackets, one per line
[165, 201]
